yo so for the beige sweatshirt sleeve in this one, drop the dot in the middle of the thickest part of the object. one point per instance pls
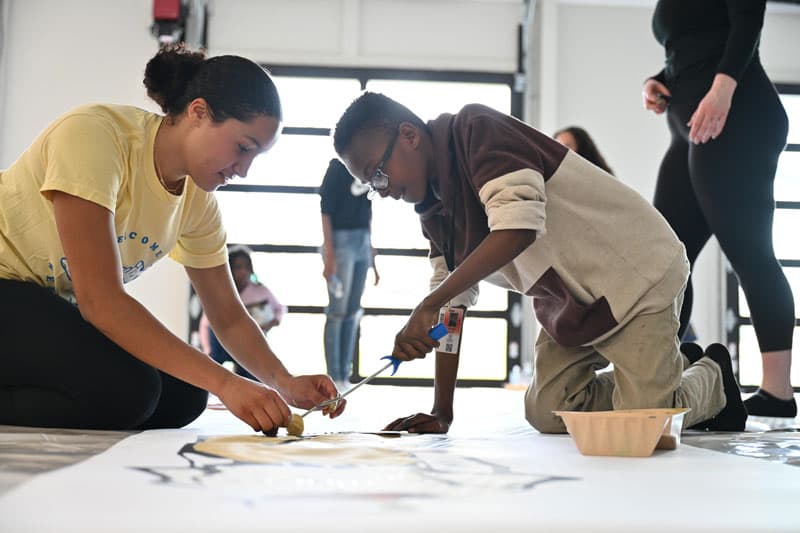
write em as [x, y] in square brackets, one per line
[515, 201]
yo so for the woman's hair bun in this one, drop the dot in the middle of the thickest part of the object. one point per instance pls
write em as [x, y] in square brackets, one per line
[168, 74]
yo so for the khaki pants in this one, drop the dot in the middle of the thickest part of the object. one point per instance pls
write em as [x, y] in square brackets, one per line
[648, 373]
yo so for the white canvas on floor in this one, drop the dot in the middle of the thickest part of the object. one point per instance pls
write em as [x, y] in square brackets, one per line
[492, 472]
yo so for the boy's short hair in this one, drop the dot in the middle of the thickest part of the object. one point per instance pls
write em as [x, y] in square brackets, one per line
[371, 111]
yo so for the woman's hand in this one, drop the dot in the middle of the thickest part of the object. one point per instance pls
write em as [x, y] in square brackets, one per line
[413, 341]
[655, 95]
[259, 406]
[709, 118]
[420, 423]
[305, 392]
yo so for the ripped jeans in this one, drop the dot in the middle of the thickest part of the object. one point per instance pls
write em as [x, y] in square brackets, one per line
[353, 259]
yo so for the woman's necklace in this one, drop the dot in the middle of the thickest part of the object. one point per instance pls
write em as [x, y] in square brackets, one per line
[176, 189]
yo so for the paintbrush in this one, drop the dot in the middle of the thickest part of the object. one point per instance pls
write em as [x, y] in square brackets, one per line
[436, 333]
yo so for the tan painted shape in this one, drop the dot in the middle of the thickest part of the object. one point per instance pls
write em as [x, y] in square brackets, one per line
[337, 449]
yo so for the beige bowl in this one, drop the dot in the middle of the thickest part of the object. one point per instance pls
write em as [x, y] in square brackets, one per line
[624, 433]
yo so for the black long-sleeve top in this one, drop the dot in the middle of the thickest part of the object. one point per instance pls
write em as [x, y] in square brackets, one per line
[721, 36]
[347, 209]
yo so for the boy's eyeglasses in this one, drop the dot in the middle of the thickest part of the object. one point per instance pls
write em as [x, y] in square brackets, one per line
[380, 180]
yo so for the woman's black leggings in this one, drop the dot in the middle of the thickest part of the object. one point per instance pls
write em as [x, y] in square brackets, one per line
[57, 370]
[725, 188]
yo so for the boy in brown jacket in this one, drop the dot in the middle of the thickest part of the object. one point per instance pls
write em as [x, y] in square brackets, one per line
[501, 201]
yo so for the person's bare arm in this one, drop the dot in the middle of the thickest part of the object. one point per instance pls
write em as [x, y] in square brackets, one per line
[497, 249]
[328, 250]
[444, 385]
[234, 327]
[243, 339]
[88, 238]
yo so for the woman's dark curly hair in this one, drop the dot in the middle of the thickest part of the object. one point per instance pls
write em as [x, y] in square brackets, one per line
[233, 87]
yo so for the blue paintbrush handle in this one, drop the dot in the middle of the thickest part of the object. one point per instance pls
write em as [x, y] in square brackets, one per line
[436, 332]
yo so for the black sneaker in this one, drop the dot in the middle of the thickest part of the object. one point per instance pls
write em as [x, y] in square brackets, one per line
[763, 403]
[734, 415]
[692, 351]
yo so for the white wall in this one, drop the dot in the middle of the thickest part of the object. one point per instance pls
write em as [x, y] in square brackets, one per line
[62, 54]
[591, 58]
[446, 34]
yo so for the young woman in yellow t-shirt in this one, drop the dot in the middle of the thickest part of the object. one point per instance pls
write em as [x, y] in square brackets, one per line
[101, 194]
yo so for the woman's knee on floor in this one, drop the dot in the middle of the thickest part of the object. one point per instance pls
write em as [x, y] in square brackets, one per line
[126, 403]
[180, 404]
[194, 403]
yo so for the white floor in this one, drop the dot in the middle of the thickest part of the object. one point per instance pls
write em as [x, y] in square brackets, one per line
[492, 471]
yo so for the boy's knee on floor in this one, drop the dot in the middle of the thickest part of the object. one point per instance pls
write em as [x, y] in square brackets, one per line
[542, 419]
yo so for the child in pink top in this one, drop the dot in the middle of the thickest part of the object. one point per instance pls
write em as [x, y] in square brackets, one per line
[262, 305]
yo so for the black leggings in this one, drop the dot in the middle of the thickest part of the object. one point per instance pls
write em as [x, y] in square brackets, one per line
[725, 188]
[57, 370]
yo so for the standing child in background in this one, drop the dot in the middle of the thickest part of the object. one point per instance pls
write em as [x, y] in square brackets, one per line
[259, 301]
[501, 201]
[347, 254]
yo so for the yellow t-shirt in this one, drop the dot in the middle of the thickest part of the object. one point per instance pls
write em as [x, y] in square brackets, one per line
[104, 154]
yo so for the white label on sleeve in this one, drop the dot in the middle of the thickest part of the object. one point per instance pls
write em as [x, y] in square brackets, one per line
[453, 319]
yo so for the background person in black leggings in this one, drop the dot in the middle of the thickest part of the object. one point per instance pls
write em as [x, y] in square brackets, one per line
[728, 128]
